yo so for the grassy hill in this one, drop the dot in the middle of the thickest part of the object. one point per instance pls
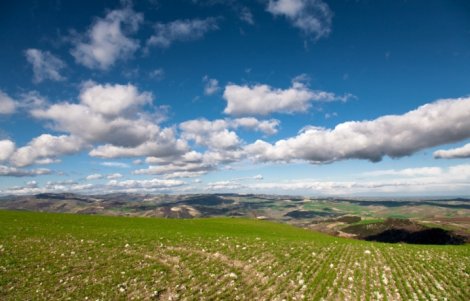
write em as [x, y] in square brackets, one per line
[46, 256]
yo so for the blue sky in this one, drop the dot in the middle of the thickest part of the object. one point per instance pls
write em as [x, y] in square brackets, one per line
[284, 96]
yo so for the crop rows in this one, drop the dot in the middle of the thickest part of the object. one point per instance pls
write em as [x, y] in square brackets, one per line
[86, 259]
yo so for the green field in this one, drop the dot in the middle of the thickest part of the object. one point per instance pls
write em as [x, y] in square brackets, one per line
[45, 256]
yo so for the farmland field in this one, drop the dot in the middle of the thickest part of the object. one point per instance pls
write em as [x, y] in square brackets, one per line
[48, 256]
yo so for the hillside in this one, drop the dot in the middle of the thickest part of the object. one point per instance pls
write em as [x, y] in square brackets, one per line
[328, 215]
[45, 256]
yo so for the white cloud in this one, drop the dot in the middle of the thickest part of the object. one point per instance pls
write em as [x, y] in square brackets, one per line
[115, 164]
[211, 85]
[95, 176]
[157, 74]
[32, 100]
[113, 100]
[114, 176]
[172, 170]
[213, 134]
[163, 145]
[459, 152]
[433, 124]
[107, 40]
[158, 184]
[46, 146]
[7, 148]
[268, 127]
[451, 180]
[263, 99]
[243, 12]
[47, 161]
[109, 115]
[217, 134]
[45, 65]
[223, 186]
[313, 17]
[181, 30]
[407, 172]
[7, 104]
[51, 187]
[32, 184]
[81, 121]
[246, 15]
[190, 164]
[9, 171]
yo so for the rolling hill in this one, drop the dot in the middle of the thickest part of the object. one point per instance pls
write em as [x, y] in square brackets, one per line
[49, 256]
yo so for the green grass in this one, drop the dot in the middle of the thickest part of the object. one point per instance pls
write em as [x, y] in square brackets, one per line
[47, 256]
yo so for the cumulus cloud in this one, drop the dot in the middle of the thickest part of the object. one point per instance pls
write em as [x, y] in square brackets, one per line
[110, 116]
[441, 122]
[46, 147]
[81, 121]
[190, 164]
[7, 104]
[312, 17]
[268, 127]
[212, 134]
[9, 171]
[113, 100]
[219, 134]
[459, 152]
[264, 99]
[45, 65]
[211, 85]
[181, 30]
[107, 40]
[7, 148]
[162, 145]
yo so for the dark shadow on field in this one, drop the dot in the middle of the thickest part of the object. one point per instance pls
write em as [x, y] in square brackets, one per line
[433, 236]
[309, 214]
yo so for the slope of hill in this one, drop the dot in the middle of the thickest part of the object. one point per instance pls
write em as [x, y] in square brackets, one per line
[327, 215]
[46, 256]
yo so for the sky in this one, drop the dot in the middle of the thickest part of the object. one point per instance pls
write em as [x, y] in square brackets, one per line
[304, 97]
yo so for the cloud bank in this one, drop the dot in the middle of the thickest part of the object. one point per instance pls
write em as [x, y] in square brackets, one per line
[393, 135]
